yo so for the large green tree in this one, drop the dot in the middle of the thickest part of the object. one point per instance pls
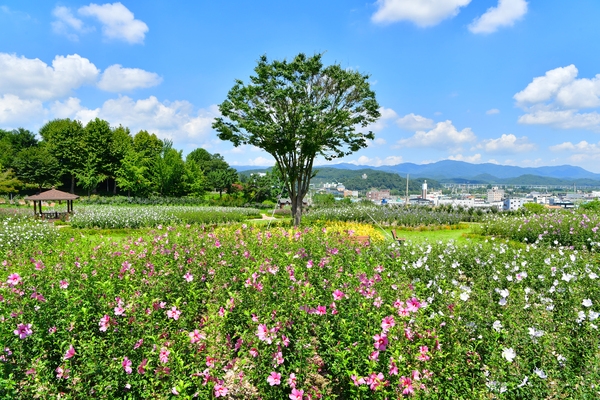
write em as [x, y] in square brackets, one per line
[35, 165]
[64, 139]
[296, 111]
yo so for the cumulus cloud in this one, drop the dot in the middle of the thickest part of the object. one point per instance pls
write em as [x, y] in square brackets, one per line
[15, 111]
[563, 119]
[476, 158]
[258, 162]
[507, 144]
[556, 98]
[376, 161]
[581, 147]
[380, 141]
[382, 122]
[118, 79]
[34, 79]
[176, 120]
[117, 22]
[412, 122]
[66, 23]
[505, 14]
[492, 111]
[543, 88]
[442, 136]
[422, 13]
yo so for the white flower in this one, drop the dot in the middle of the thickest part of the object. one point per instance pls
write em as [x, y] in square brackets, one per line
[524, 382]
[540, 373]
[593, 275]
[497, 325]
[586, 302]
[580, 316]
[464, 296]
[509, 354]
[504, 293]
[534, 333]
[592, 315]
[502, 301]
[567, 277]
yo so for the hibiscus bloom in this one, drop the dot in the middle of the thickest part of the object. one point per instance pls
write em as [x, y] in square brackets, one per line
[274, 379]
[23, 330]
[70, 353]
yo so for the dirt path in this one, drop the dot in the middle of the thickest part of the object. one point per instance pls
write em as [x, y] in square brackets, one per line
[266, 217]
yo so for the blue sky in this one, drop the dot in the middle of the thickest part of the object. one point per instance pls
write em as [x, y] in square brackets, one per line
[511, 81]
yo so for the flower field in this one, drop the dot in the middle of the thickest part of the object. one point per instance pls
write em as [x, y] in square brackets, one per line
[391, 215]
[573, 229]
[106, 216]
[242, 312]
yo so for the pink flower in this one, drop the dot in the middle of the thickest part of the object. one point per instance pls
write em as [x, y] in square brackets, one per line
[263, 333]
[173, 313]
[357, 381]
[127, 365]
[381, 342]
[62, 373]
[374, 356]
[292, 380]
[321, 310]
[413, 304]
[220, 390]
[138, 344]
[274, 379]
[221, 311]
[393, 368]
[188, 277]
[279, 358]
[296, 394]
[285, 340]
[196, 336]
[119, 310]
[210, 362]
[163, 356]
[141, 369]
[13, 279]
[70, 353]
[104, 323]
[388, 323]
[374, 381]
[23, 331]
[63, 284]
[253, 352]
[338, 295]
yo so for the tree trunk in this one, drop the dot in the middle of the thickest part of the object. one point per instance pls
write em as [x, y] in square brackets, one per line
[72, 184]
[296, 209]
[115, 187]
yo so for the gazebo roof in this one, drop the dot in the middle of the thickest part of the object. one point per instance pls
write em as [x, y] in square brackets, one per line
[52, 194]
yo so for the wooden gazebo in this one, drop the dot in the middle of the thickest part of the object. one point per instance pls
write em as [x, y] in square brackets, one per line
[52, 195]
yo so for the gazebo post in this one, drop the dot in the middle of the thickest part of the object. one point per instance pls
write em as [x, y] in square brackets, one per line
[34, 209]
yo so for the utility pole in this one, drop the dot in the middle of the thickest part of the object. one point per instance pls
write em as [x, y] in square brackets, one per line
[406, 204]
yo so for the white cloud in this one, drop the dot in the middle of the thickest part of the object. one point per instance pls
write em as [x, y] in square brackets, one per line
[380, 141]
[176, 120]
[505, 14]
[556, 98]
[412, 122]
[444, 135]
[15, 111]
[564, 119]
[492, 111]
[66, 22]
[381, 123]
[581, 147]
[117, 22]
[376, 161]
[422, 13]
[543, 88]
[476, 158]
[118, 79]
[34, 79]
[259, 162]
[507, 144]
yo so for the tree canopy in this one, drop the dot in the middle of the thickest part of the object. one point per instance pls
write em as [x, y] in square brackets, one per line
[296, 111]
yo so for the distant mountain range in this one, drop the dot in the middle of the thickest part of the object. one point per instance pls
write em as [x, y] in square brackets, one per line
[448, 171]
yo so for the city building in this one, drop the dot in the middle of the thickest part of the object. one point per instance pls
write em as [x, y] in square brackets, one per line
[494, 194]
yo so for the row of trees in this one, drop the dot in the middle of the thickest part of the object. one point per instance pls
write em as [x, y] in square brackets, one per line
[72, 155]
